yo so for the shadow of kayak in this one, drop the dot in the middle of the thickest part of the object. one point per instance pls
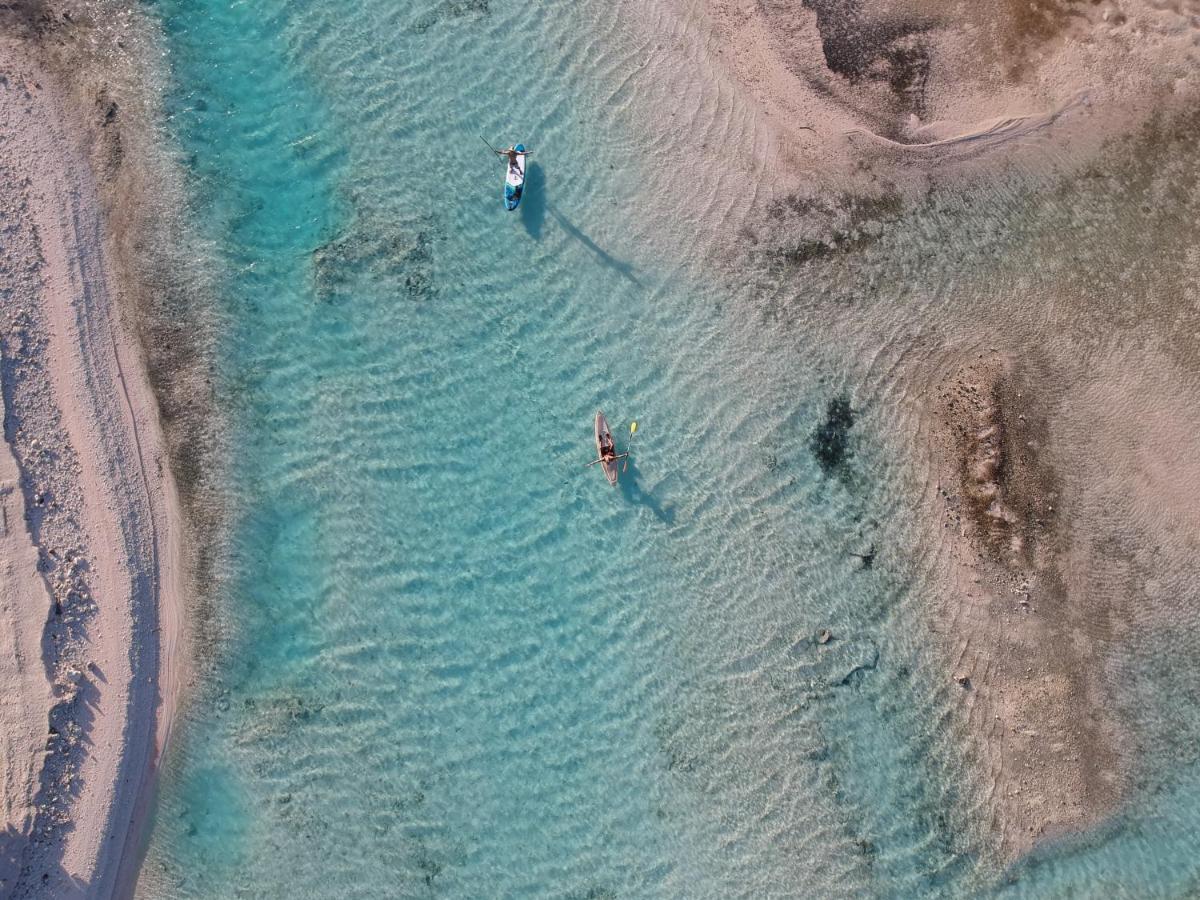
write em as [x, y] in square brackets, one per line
[632, 492]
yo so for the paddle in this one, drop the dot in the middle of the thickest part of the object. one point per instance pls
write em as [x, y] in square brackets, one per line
[525, 153]
[614, 459]
[632, 432]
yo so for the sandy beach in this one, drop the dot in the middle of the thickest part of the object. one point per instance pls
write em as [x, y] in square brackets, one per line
[91, 536]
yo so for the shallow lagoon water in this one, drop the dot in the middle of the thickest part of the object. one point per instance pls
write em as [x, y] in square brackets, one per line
[456, 662]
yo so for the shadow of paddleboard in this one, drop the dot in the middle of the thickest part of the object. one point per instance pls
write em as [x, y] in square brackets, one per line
[619, 266]
[533, 201]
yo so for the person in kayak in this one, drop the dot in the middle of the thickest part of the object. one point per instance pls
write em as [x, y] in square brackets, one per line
[608, 450]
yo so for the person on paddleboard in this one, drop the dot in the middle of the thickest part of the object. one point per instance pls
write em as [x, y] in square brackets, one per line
[512, 153]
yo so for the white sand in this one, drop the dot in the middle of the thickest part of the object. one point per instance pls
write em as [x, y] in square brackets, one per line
[25, 701]
[84, 427]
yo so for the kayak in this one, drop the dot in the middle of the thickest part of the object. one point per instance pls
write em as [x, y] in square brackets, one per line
[514, 179]
[610, 468]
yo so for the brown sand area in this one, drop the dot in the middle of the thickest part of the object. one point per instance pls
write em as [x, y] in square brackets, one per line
[1024, 642]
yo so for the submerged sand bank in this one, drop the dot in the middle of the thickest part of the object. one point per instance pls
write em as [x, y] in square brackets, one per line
[99, 617]
[1066, 490]
[1041, 322]
[1025, 639]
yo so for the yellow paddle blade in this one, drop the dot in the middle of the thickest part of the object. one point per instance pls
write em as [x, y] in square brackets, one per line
[632, 429]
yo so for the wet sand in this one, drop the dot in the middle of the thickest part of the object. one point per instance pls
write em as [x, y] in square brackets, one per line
[1024, 644]
[93, 539]
[1066, 492]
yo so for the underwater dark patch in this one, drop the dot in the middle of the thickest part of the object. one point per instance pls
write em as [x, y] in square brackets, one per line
[808, 230]
[817, 666]
[380, 252]
[861, 49]
[866, 559]
[830, 443]
[430, 868]
[866, 847]
[451, 9]
[597, 892]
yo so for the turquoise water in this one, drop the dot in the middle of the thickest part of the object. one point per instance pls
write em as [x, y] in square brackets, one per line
[457, 663]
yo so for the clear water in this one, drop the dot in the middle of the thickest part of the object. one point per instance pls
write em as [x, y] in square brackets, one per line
[458, 663]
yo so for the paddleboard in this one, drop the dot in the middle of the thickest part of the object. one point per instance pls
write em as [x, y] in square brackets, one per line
[514, 179]
[610, 468]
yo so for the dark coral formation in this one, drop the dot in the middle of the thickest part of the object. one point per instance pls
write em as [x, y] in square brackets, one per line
[451, 9]
[1009, 492]
[383, 251]
[830, 443]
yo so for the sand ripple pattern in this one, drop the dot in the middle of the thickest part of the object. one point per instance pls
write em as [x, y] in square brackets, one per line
[461, 664]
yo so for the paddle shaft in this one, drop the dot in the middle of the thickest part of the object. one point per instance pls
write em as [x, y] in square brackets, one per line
[602, 459]
[503, 152]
